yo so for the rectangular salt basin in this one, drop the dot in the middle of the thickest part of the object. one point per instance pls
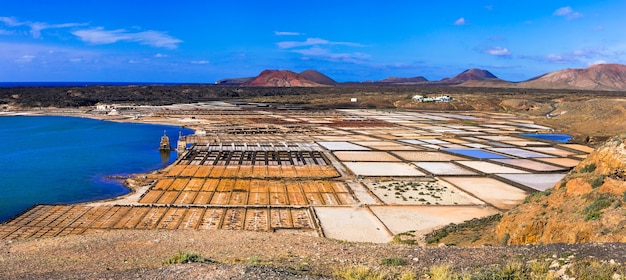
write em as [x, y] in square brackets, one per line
[520, 153]
[532, 126]
[551, 151]
[540, 182]
[499, 194]
[382, 145]
[423, 219]
[342, 146]
[501, 138]
[443, 168]
[578, 147]
[490, 168]
[526, 143]
[566, 162]
[364, 156]
[414, 142]
[435, 141]
[476, 153]
[427, 156]
[530, 164]
[356, 224]
[419, 192]
[382, 169]
[477, 145]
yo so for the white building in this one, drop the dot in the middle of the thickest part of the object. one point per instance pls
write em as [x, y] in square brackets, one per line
[420, 98]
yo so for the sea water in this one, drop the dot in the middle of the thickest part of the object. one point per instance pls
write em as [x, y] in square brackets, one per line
[62, 160]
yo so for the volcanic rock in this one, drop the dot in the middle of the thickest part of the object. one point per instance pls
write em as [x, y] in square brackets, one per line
[473, 74]
[588, 205]
[395, 80]
[595, 77]
[317, 77]
[281, 78]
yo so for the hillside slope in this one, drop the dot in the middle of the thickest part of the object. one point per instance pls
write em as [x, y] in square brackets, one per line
[588, 205]
[595, 77]
[281, 78]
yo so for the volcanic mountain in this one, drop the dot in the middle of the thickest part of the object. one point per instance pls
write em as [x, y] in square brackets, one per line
[286, 78]
[234, 81]
[595, 77]
[317, 77]
[473, 74]
[394, 80]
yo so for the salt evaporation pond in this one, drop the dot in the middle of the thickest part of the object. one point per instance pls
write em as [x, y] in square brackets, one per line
[561, 138]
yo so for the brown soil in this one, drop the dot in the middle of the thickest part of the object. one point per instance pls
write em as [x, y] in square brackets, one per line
[245, 255]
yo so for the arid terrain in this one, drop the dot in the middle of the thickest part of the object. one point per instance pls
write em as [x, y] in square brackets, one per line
[591, 117]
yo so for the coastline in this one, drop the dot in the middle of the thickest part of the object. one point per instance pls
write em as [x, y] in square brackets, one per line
[136, 183]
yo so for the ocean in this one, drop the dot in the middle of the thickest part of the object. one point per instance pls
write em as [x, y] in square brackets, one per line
[61, 160]
[83, 84]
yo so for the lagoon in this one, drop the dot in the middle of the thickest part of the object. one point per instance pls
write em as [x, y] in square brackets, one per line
[62, 160]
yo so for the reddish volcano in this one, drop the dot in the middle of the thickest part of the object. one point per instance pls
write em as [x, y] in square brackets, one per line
[595, 77]
[282, 78]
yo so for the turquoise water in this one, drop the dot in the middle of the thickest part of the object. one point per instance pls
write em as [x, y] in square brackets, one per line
[47, 160]
[561, 138]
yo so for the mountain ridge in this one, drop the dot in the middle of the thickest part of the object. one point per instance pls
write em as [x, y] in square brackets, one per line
[606, 77]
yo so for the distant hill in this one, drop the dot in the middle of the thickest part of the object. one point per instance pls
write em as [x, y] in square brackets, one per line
[317, 77]
[595, 77]
[610, 77]
[286, 78]
[395, 80]
[473, 74]
[234, 81]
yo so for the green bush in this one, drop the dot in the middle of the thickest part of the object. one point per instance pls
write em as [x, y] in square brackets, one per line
[595, 270]
[597, 182]
[593, 210]
[588, 168]
[359, 273]
[393, 261]
[184, 257]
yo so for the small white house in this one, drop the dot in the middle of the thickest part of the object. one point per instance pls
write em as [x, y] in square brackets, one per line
[443, 98]
[417, 98]
[420, 98]
[354, 100]
[103, 107]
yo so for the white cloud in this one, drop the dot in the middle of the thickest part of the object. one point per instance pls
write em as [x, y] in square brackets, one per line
[567, 12]
[10, 21]
[498, 51]
[160, 55]
[200, 62]
[6, 32]
[100, 36]
[285, 33]
[460, 21]
[326, 54]
[25, 59]
[37, 27]
[313, 42]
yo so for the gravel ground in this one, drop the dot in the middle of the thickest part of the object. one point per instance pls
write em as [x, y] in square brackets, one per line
[137, 254]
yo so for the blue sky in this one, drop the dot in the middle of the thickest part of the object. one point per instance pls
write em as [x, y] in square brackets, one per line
[204, 41]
